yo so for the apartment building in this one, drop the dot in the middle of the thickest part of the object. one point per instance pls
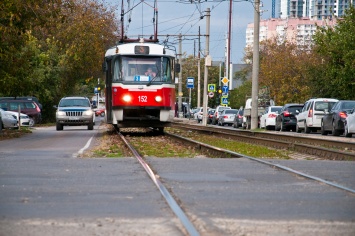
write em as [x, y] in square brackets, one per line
[313, 9]
[300, 30]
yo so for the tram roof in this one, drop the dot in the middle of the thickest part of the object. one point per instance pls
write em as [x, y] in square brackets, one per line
[131, 49]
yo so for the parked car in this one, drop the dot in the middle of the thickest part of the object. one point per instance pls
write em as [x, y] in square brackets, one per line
[349, 123]
[312, 113]
[217, 113]
[227, 117]
[30, 98]
[28, 107]
[267, 119]
[100, 111]
[7, 120]
[24, 119]
[238, 118]
[286, 119]
[74, 111]
[333, 121]
[210, 115]
[195, 112]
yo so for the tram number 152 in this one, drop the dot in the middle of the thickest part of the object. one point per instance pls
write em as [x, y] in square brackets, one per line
[142, 98]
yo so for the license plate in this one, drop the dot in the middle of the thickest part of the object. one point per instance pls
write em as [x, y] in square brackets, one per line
[73, 118]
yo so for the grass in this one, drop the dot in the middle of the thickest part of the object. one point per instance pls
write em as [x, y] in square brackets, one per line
[14, 133]
[160, 146]
[235, 146]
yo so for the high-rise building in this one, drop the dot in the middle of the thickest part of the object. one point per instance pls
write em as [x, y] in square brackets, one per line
[313, 9]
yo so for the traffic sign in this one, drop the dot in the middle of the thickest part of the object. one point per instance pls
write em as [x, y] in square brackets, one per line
[225, 80]
[210, 94]
[224, 100]
[225, 89]
[190, 82]
[211, 87]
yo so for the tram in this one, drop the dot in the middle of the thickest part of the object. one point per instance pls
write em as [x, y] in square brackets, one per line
[140, 85]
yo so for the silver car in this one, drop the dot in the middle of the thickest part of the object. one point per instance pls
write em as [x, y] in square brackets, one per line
[24, 119]
[8, 121]
[227, 117]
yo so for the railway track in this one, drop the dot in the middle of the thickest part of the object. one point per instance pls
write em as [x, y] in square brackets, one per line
[165, 193]
[323, 148]
[211, 151]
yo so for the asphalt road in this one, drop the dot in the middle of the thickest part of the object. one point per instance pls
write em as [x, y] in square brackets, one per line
[45, 189]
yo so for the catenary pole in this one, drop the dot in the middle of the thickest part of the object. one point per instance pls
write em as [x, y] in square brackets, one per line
[255, 74]
[180, 76]
[205, 101]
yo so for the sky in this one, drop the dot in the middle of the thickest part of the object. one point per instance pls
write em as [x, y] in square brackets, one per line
[184, 16]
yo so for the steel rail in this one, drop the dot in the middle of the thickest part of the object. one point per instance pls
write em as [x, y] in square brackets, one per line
[236, 154]
[277, 136]
[287, 142]
[165, 193]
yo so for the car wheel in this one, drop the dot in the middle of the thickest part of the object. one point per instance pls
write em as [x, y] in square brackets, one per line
[322, 131]
[298, 130]
[91, 126]
[213, 121]
[282, 128]
[346, 131]
[334, 131]
[102, 114]
[306, 128]
[59, 126]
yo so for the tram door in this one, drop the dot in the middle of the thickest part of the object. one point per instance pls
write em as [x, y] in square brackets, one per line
[108, 92]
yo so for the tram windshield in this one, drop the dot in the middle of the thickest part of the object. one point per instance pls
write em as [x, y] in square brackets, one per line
[132, 69]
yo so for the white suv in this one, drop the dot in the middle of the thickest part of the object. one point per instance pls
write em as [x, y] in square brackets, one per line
[74, 111]
[309, 119]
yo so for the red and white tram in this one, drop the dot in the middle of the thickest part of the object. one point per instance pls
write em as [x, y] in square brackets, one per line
[136, 96]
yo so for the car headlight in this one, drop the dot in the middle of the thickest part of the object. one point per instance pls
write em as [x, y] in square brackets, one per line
[60, 113]
[87, 113]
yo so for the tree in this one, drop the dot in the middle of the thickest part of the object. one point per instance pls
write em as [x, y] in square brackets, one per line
[53, 48]
[284, 70]
[336, 48]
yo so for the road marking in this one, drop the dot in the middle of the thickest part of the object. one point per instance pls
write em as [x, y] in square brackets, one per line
[81, 151]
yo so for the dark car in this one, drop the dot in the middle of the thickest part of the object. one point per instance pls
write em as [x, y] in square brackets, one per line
[238, 119]
[30, 98]
[286, 119]
[333, 121]
[27, 107]
[210, 115]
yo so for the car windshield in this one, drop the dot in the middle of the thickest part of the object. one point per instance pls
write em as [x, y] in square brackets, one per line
[348, 105]
[294, 109]
[322, 105]
[275, 109]
[74, 102]
[231, 111]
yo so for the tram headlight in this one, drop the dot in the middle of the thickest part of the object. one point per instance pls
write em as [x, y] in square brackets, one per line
[158, 98]
[127, 98]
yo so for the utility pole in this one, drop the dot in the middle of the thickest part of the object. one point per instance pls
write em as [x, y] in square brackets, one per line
[199, 72]
[180, 75]
[228, 71]
[207, 61]
[255, 75]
